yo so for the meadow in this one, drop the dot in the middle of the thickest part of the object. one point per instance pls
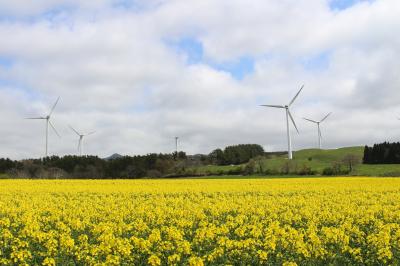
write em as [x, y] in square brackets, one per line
[298, 221]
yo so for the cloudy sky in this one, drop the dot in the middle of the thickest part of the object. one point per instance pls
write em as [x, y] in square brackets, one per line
[140, 72]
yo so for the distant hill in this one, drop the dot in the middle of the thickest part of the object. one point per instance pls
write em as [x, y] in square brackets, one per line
[113, 157]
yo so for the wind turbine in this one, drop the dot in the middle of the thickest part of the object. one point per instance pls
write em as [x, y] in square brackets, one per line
[176, 146]
[319, 129]
[81, 136]
[288, 115]
[48, 122]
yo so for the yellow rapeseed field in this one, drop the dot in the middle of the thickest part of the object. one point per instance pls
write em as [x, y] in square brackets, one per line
[304, 221]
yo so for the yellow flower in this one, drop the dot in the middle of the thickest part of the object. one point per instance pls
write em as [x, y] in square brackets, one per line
[195, 261]
[173, 259]
[154, 260]
[49, 262]
[289, 263]
[185, 221]
[262, 255]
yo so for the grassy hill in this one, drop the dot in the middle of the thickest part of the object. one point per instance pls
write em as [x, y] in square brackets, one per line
[329, 155]
[325, 158]
[314, 159]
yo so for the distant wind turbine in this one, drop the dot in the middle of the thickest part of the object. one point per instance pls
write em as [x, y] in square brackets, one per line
[319, 129]
[48, 122]
[80, 142]
[288, 115]
[176, 145]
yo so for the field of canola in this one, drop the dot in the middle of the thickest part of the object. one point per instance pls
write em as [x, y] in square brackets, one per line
[305, 221]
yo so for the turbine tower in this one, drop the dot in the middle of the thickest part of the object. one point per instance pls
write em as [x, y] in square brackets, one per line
[288, 115]
[176, 147]
[48, 122]
[80, 142]
[319, 129]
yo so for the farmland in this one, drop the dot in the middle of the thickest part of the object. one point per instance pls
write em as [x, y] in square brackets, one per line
[200, 221]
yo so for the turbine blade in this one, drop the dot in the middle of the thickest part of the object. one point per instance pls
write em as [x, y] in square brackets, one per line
[54, 106]
[310, 120]
[73, 129]
[90, 133]
[54, 129]
[294, 123]
[274, 106]
[319, 133]
[35, 118]
[326, 117]
[79, 144]
[295, 97]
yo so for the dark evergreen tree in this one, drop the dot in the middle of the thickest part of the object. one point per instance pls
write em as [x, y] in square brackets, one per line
[383, 153]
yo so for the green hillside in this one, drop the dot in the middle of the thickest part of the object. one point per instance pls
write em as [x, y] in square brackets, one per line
[316, 159]
[329, 155]
[313, 160]
[325, 158]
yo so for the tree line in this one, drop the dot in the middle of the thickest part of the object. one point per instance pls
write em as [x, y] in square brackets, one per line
[151, 165]
[383, 153]
[7, 164]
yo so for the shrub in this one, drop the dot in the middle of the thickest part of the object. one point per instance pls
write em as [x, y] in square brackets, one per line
[235, 171]
[328, 171]
[305, 170]
[392, 174]
[335, 169]
[249, 168]
[289, 167]
[153, 174]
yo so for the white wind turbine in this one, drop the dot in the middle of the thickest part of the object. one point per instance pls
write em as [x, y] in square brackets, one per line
[81, 136]
[48, 122]
[318, 126]
[288, 115]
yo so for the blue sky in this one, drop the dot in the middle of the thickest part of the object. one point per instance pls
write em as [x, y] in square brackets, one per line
[317, 62]
[343, 4]
[192, 49]
[6, 62]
